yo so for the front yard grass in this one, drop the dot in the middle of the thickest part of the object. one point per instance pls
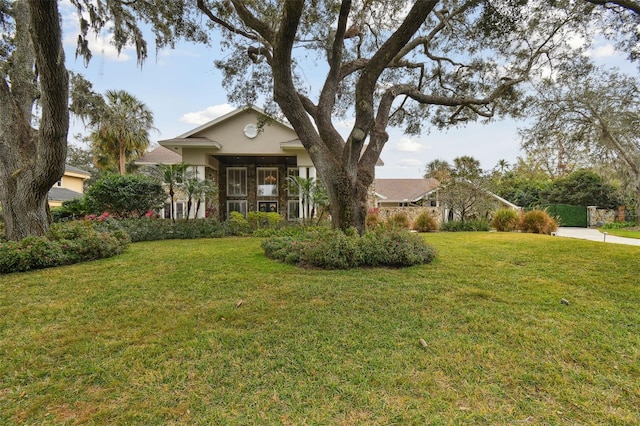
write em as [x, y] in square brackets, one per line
[627, 233]
[212, 332]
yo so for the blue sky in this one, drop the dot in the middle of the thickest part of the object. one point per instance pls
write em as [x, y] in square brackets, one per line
[183, 89]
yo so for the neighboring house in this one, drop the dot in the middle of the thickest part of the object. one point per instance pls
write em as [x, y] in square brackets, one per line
[406, 192]
[412, 196]
[69, 187]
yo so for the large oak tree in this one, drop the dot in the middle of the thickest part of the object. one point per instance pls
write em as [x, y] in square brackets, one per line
[387, 64]
[31, 156]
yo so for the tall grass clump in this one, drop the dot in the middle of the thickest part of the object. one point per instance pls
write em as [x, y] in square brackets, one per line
[372, 220]
[425, 222]
[538, 222]
[331, 249]
[398, 220]
[505, 220]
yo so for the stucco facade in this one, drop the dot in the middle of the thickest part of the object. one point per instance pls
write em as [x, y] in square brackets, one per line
[249, 156]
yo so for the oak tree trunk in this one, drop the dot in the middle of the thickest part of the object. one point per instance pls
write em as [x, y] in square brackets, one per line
[32, 161]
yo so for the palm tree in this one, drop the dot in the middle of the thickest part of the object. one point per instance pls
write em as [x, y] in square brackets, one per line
[173, 176]
[439, 170]
[312, 193]
[121, 133]
[198, 190]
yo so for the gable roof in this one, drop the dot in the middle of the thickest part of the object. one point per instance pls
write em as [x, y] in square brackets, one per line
[74, 171]
[403, 190]
[62, 194]
[226, 117]
[159, 155]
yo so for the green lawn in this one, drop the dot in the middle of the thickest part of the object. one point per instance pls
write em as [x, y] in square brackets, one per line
[154, 337]
[622, 233]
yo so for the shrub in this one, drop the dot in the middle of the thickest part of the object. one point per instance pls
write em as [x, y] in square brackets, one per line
[473, 225]
[66, 243]
[148, 229]
[330, 249]
[236, 224]
[618, 225]
[398, 220]
[538, 222]
[424, 222]
[71, 209]
[261, 220]
[505, 220]
[125, 196]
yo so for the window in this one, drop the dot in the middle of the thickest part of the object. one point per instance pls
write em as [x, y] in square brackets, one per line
[292, 188]
[237, 206]
[268, 206]
[267, 182]
[59, 183]
[236, 181]
[178, 210]
[293, 210]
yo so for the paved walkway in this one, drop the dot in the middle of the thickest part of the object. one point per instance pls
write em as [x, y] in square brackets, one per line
[595, 235]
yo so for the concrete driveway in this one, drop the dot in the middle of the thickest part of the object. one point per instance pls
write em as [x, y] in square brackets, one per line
[595, 235]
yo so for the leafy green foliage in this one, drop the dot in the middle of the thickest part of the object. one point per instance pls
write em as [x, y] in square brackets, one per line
[237, 224]
[505, 220]
[262, 220]
[148, 229]
[582, 188]
[522, 190]
[332, 249]
[425, 222]
[66, 243]
[71, 209]
[618, 225]
[538, 222]
[473, 225]
[125, 195]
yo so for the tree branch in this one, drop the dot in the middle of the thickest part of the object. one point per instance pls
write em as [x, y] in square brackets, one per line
[371, 73]
[213, 18]
[625, 4]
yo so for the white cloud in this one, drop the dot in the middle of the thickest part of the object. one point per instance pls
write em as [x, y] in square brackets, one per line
[409, 145]
[576, 41]
[207, 114]
[605, 51]
[410, 162]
